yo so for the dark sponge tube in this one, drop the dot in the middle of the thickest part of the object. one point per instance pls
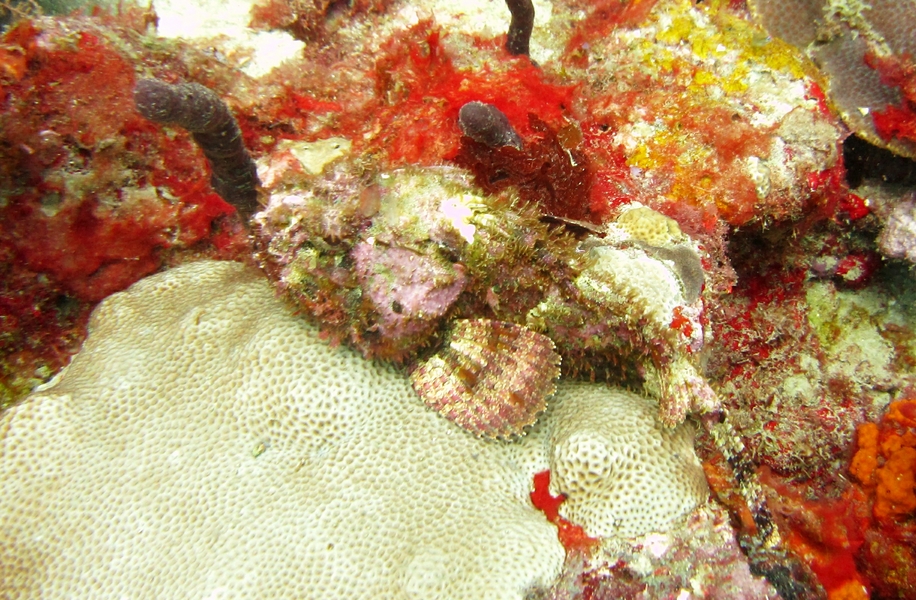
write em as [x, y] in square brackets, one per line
[200, 111]
[488, 125]
[520, 27]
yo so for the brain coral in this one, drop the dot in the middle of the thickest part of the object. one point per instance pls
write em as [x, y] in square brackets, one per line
[604, 452]
[205, 442]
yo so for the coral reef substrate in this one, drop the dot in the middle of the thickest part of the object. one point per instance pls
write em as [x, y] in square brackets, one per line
[654, 190]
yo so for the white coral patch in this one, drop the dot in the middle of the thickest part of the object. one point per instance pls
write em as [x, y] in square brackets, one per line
[457, 210]
[623, 473]
[632, 278]
[314, 156]
[206, 442]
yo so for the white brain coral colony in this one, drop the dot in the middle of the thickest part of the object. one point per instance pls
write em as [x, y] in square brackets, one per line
[623, 473]
[206, 443]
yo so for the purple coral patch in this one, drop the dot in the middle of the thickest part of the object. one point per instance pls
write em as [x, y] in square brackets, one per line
[408, 289]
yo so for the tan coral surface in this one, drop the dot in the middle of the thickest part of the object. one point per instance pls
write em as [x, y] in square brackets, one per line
[206, 444]
[605, 448]
[650, 226]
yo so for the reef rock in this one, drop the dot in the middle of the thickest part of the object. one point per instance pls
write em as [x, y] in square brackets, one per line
[205, 442]
[898, 239]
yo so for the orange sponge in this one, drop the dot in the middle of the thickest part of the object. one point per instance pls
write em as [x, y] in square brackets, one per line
[865, 460]
[886, 460]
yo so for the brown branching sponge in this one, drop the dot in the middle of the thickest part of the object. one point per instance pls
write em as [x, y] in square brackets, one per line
[520, 27]
[488, 125]
[199, 110]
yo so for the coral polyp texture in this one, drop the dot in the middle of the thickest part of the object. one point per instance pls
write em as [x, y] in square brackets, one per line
[595, 466]
[201, 409]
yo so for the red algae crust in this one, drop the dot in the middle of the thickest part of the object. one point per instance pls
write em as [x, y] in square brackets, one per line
[94, 197]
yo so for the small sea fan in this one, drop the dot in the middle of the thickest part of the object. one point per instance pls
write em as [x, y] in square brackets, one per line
[491, 378]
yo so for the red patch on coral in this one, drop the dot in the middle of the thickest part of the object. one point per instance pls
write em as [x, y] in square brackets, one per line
[681, 323]
[856, 270]
[91, 249]
[816, 93]
[543, 500]
[611, 184]
[829, 195]
[62, 126]
[854, 207]
[40, 327]
[87, 214]
[573, 537]
[826, 533]
[601, 18]
[896, 121]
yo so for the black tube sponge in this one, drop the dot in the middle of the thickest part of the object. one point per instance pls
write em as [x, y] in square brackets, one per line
[520, 27]
[199, 110]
